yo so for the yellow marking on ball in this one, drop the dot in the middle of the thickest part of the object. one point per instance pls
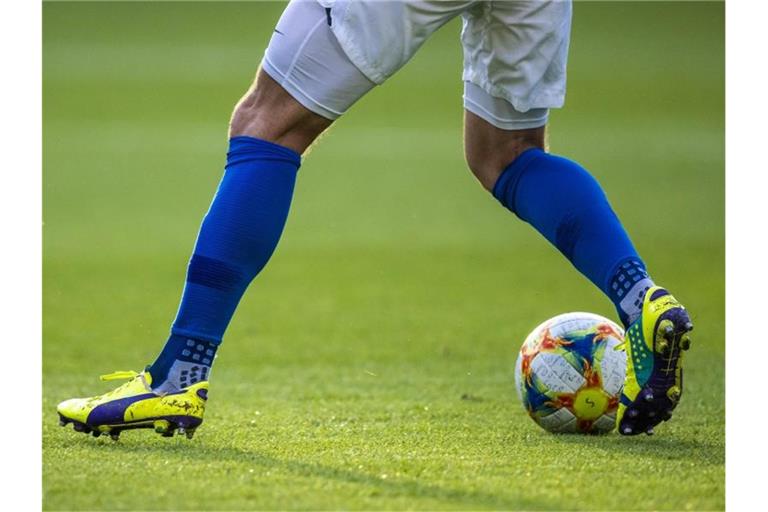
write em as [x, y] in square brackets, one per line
[590, 403]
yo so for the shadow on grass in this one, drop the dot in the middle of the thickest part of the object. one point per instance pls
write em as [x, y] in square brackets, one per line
[467, 498]
[657, 447]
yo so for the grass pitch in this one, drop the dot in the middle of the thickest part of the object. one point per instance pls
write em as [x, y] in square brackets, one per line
[370, 365]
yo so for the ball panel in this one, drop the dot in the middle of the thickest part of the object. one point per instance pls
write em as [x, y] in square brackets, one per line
[604, 423]
[557, 374]
[537, 399]
[576, 321]
[518, 378]
[613, 365]
[561, 418]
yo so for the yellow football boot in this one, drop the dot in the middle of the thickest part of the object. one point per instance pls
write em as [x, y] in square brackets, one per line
[654, 380]
[135, 405]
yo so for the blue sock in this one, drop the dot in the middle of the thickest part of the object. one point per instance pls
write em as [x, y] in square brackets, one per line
[566, 204]
[237, 237]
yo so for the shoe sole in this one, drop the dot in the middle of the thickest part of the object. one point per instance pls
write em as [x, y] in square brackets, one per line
[166, 426]
[661, 394]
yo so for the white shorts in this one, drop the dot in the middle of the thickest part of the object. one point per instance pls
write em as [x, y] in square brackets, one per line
[327, 54]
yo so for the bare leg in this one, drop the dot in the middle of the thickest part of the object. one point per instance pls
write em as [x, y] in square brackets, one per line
[489, 149]
[268, 112]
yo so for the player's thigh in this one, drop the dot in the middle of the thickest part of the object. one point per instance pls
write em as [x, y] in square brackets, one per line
[320, 61]
[382, 36]
[518, 51]
[305, 58]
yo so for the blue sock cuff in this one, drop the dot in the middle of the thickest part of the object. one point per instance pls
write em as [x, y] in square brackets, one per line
[505, 186]
[243, 148]
[623, 276]
[196, 335]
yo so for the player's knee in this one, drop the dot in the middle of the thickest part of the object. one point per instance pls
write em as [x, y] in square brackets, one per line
[258, 116]
[268, 112]
[251, 117]
[489, 150]
[245, 119]
[487, 165]
[486, 168]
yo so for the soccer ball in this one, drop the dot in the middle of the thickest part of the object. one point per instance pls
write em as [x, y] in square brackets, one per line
[569, 376]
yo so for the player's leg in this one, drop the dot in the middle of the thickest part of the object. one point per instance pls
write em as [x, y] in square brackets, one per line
[306, 82]
[311, 74]
[268, 112]
[268, 132]
[507, 94]
[488, 149]
[563, 202]
[236, 239]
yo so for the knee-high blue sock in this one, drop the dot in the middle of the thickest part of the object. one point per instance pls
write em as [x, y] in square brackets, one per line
[237, 237]
[566, 204]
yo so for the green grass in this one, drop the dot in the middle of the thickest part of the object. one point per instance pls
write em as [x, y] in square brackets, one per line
[370, 365]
